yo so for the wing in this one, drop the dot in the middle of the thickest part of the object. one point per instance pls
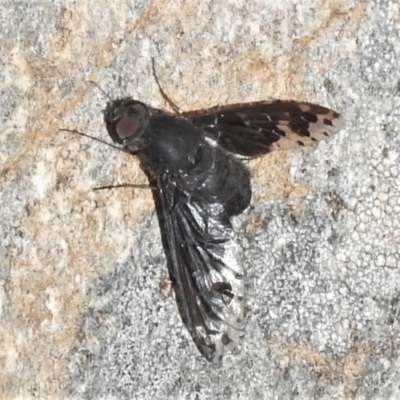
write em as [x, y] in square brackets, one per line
[255, 129]
[203, 266]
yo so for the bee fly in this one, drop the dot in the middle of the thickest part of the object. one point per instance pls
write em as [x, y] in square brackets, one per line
[199, 184]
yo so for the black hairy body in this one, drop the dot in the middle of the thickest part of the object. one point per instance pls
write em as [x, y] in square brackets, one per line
[200, 184]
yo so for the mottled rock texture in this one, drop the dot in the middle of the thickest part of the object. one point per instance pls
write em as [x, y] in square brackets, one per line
[82, 315]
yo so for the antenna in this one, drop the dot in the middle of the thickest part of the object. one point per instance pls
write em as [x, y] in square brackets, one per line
[95, 138]
[125, 185]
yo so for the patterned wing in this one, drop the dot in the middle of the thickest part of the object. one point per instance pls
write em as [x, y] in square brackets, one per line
[255, 129]
[204, 268]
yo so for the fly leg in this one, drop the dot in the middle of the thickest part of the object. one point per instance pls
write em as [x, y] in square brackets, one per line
[163, 94]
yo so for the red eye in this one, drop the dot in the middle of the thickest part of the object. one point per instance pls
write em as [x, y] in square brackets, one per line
[127, 126]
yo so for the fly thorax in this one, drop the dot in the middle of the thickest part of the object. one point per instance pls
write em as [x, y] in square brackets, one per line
[173, 143]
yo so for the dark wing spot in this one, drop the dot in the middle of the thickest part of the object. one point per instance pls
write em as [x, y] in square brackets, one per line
[224, 288]
[319, 110]
[304, 132]
[300, 143]
[282, 133]
[278, 132]
[326, 134]
[239, 275]
[300, 127]
[310, 117]
[328, 122]
[225, 339]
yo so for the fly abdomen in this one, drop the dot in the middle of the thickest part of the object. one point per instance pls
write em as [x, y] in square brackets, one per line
[220, 178]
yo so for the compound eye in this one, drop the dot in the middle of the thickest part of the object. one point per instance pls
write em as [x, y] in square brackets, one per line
[127, 127]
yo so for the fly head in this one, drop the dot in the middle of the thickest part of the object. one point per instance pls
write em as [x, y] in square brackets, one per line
[126, 121]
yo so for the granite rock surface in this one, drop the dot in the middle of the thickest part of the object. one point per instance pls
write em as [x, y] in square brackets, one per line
[82, 315]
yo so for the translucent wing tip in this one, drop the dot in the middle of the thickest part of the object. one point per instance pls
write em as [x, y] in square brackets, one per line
[312, 124]
[321, 118]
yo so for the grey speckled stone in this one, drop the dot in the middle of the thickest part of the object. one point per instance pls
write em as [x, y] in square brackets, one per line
[82, 313]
